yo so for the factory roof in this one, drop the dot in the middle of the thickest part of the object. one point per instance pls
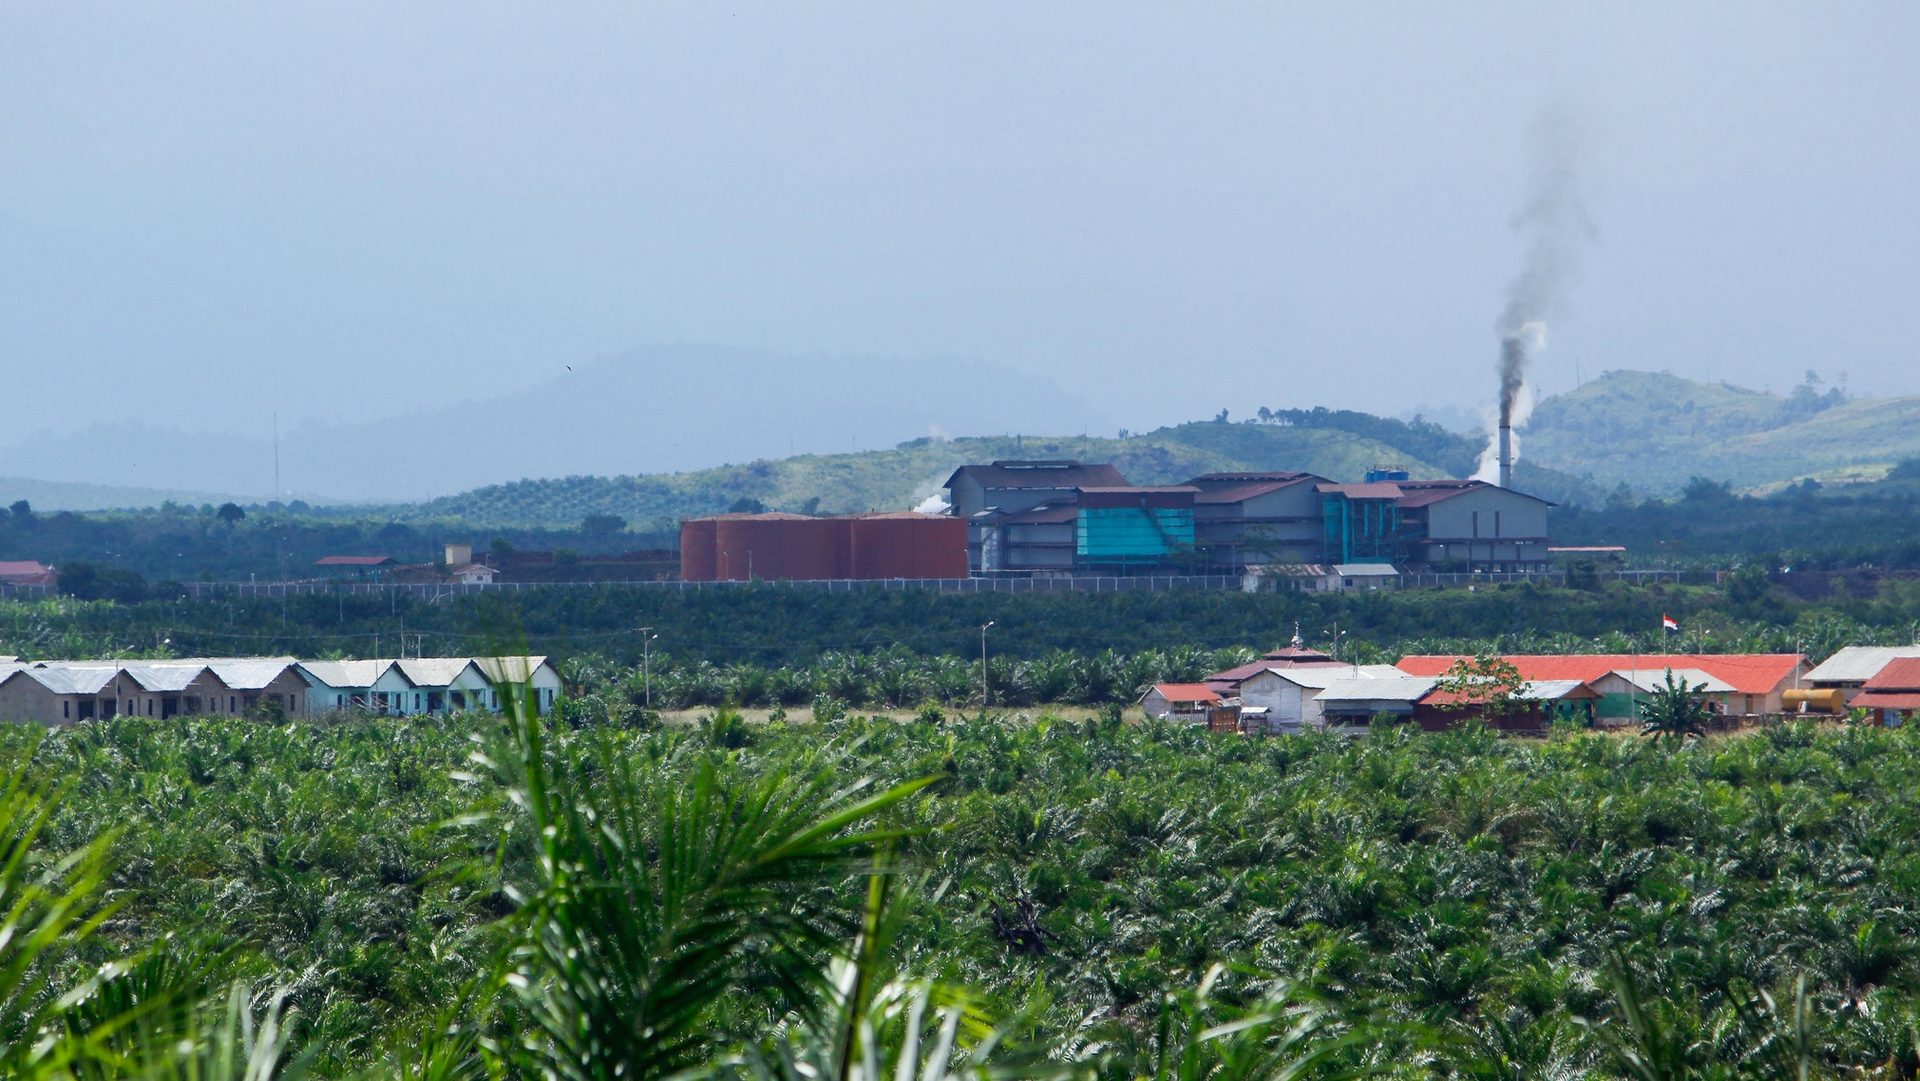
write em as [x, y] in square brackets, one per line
[1055, 473]
[1421, 493]
[1240, 493]
[1748, 673]
[353, 561]
[1141, 489]
[1044, 514]
[1366, 570]
[1418, 493]
[1380, 489]
[1206, 480]
[1857, 664]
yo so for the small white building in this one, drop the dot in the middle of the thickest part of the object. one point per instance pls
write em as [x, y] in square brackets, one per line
[1350, 705]
[1320, 577]
[1287, 695]
[1191, 702]
[1625, 688]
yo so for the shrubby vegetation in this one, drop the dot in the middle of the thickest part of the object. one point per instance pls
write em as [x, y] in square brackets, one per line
[134, 555]
[1111, 900]
[770, 627]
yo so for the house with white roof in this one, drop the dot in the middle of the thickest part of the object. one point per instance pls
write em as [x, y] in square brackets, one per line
[1848, 670]
[1350, 705]
[1287, 697]
[55, 695]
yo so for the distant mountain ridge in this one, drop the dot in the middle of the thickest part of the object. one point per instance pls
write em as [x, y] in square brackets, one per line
[47, 495]
[661, 409]
[1652, 432]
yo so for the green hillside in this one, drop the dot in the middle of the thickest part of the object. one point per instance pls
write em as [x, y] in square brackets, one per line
[1655, 431]
[895, 479]
[1649, 431]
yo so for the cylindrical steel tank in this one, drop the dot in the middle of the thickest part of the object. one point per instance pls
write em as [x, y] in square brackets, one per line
[1816, 700]
[908, 545]
[697, 561]
[776, 547]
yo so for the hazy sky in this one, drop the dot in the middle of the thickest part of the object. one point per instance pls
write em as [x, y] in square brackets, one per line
[211, 212]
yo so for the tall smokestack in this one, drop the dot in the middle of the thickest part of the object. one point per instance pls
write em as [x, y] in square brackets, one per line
[1554, 223]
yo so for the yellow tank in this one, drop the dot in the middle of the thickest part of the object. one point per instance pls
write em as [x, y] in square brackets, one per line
[1815, 700]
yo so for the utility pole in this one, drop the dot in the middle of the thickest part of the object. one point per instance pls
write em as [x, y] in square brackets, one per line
[646, 663]
[983, 664]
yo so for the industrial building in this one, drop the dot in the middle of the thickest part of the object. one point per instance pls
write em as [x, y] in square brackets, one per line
[799, 547]
[1063, 517]
[1440, 523]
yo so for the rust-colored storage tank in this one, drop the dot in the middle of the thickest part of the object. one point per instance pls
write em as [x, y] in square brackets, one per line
[794, 547]
[907, 545]
[697, 550]
[776, 547]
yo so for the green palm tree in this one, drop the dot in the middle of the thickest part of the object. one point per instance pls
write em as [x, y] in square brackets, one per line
[1674, 710]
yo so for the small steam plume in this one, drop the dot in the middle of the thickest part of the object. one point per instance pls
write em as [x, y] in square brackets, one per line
[1555, 224]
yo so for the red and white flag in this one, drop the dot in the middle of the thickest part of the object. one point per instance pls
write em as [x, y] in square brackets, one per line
[1667, 623]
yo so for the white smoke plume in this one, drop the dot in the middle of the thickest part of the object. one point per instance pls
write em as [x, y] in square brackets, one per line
[1556, 226]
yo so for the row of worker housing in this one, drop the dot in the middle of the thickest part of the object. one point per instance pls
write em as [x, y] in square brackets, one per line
[1070, 517]
[1297, 688]
[63, 692]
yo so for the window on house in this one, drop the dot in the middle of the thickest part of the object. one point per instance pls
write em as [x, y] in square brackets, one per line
[66, 710]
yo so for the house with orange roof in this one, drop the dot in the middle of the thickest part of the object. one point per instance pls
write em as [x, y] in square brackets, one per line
[1894, 693]
[1192, 702]
[1756, 682]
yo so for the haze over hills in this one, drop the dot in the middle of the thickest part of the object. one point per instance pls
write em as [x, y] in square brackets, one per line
[656, 410]
[1651, 432]
[638, 437]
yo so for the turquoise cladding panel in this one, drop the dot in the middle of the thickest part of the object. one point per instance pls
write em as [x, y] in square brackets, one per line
[1131, 533]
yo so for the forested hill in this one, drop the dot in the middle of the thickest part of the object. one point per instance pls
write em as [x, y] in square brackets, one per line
[1656, 432]
[1651, 432]
[1333, 443]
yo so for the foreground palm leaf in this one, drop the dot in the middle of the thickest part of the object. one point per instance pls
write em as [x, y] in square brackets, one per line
[877, 1026]
[46, 902]
[658, 892]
